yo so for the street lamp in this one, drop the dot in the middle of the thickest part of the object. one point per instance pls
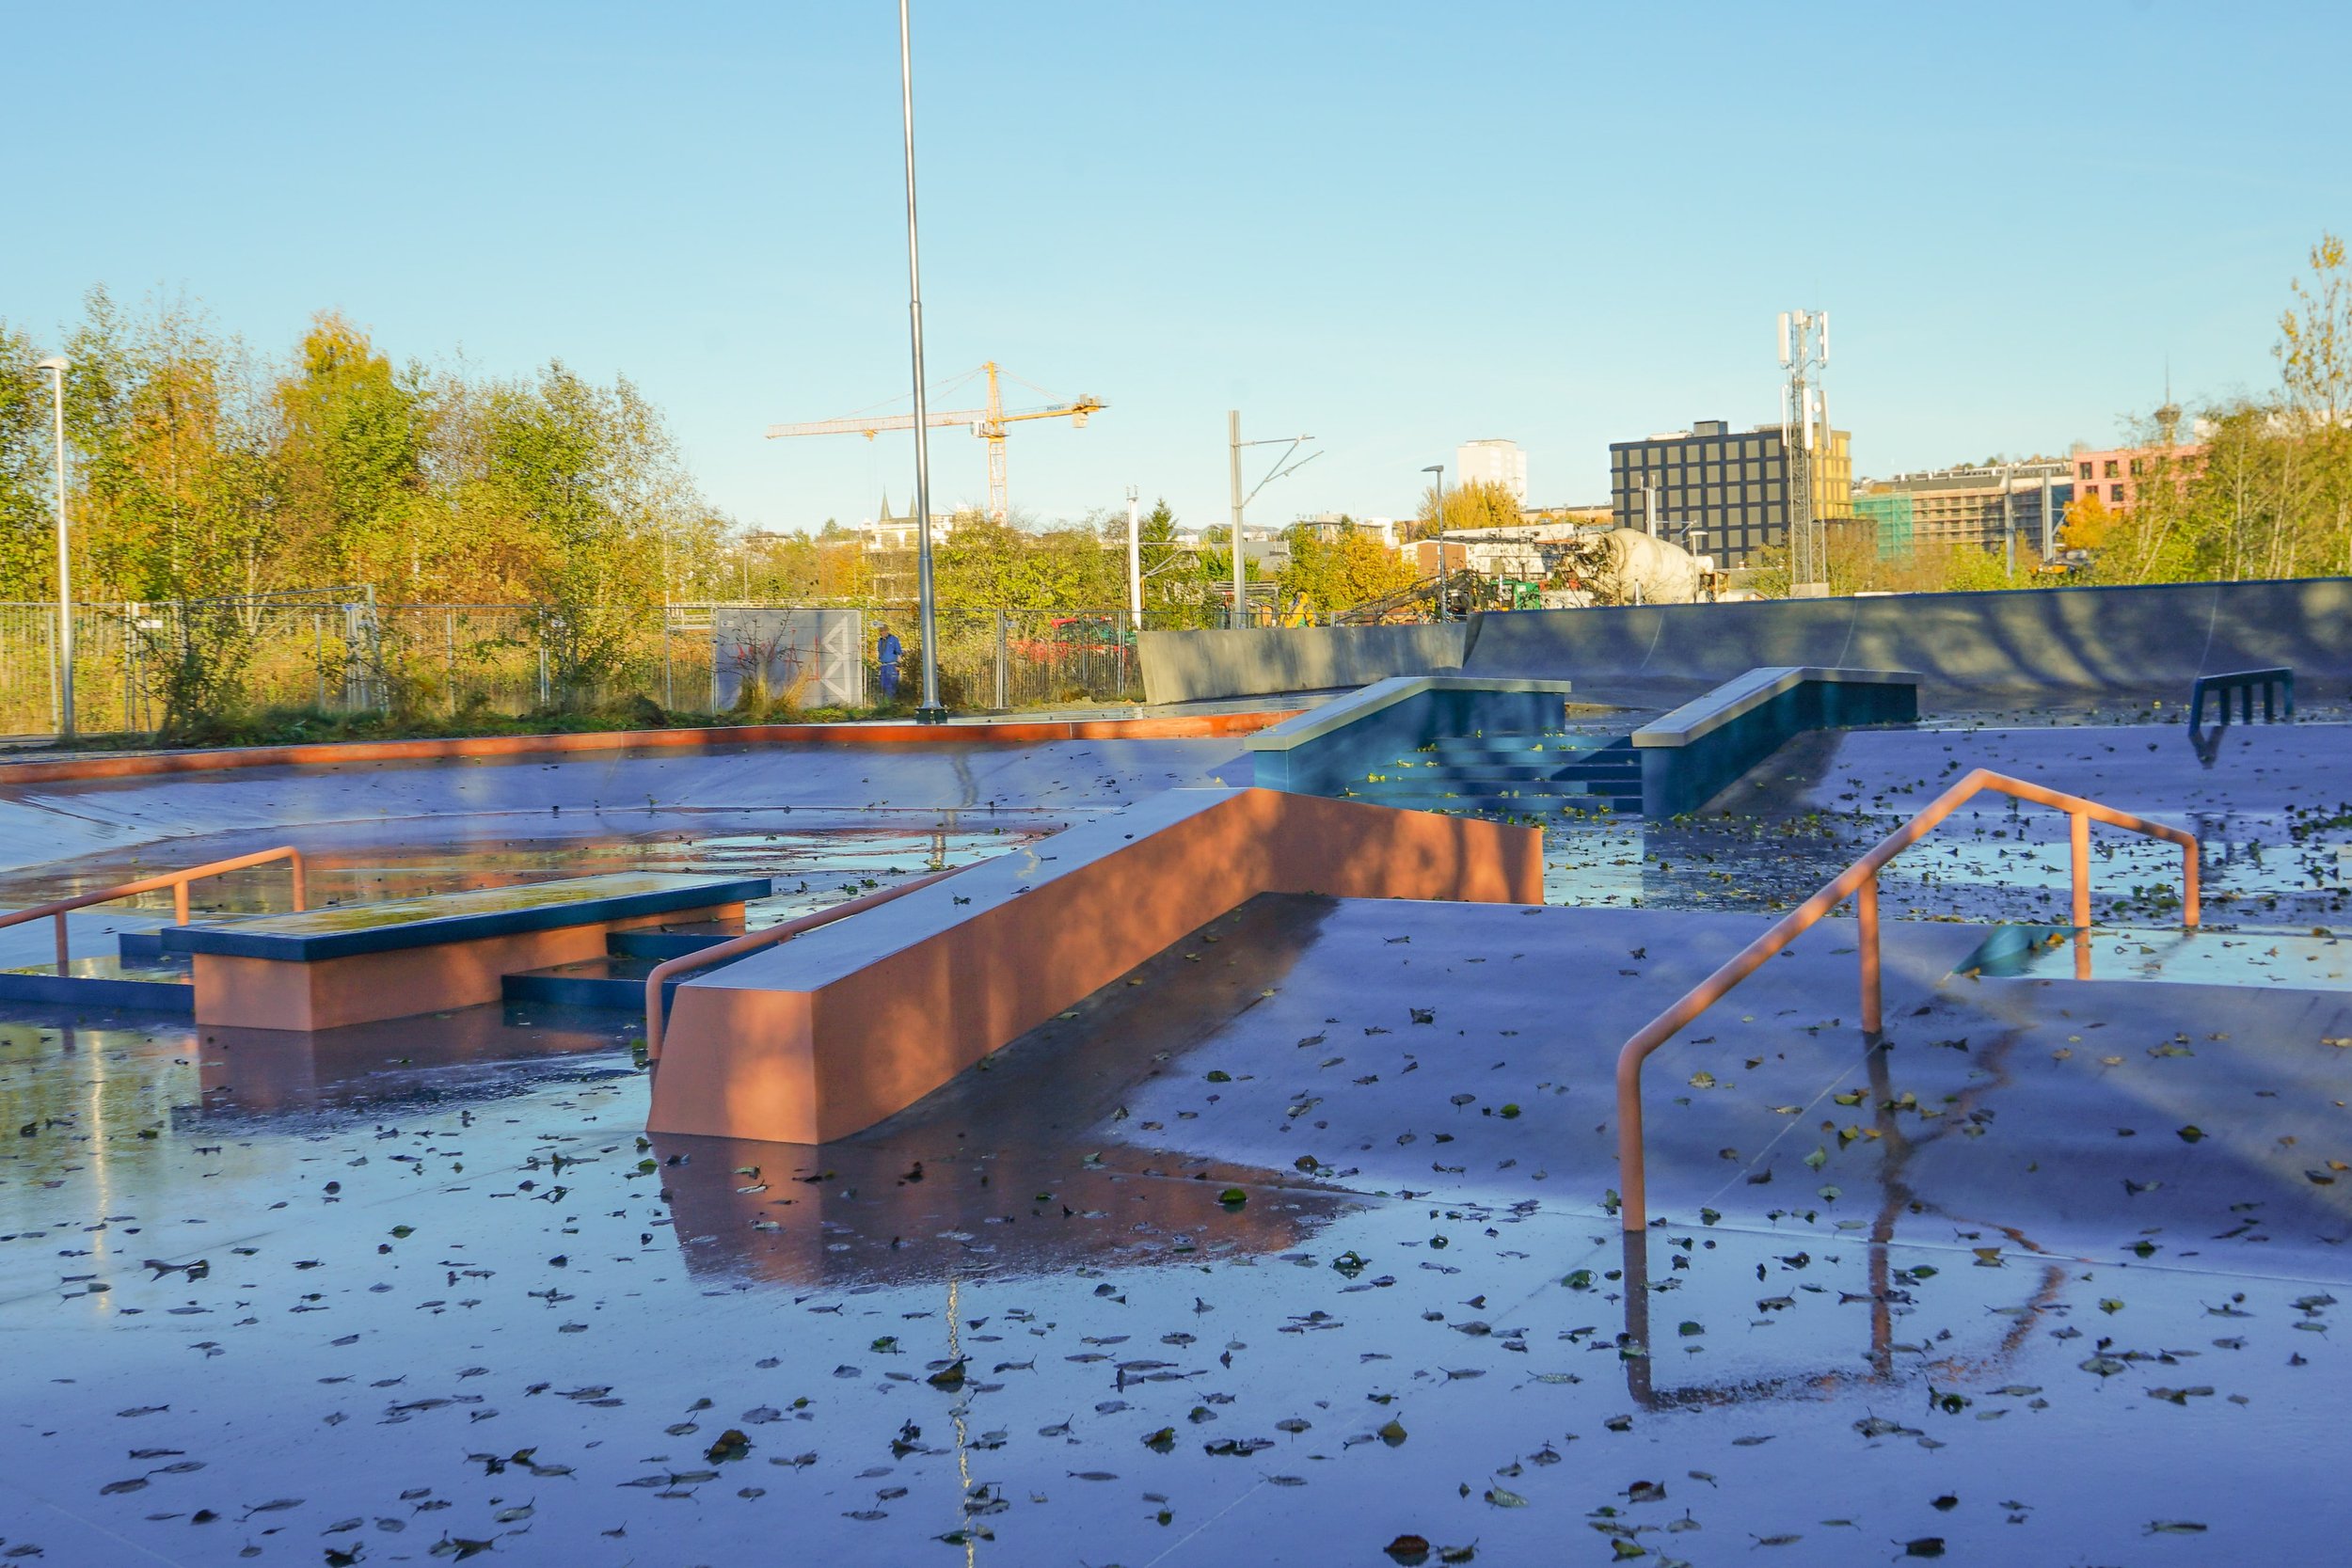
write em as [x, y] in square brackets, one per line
[930, 712]
[1439, 469]
[61, 648]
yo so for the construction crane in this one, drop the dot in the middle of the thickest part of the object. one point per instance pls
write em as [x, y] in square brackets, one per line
[987, 423]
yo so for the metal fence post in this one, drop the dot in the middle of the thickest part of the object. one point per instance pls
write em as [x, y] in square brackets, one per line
[56, 702]
[1004, 665]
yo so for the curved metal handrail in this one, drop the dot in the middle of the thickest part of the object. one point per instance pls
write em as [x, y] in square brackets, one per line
[175, 880]
[1860, 882]
[753, 942]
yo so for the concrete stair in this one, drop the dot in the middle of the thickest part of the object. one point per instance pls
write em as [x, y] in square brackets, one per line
[618, 978]
[1551, 773]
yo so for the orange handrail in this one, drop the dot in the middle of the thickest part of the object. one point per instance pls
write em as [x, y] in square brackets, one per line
[1862, 879]
[753, 942]
[175, 880]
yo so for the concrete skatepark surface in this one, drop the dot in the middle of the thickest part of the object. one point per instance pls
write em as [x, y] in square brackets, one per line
[2049, 1280]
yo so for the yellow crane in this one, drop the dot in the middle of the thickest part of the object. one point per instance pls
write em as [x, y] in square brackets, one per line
[987, 423]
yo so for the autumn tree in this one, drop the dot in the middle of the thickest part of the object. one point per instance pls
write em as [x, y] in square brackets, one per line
[1481, 503]
[27, 485]
[1344, 572]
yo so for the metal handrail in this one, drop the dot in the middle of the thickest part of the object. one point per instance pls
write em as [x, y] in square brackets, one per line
[1862, 879]
[175, 880]
[753, 942]
[2242, 682]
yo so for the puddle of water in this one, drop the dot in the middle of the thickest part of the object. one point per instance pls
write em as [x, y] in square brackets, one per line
[2206, 957]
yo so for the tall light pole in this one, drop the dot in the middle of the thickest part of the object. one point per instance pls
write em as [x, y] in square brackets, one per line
[1439, 469]
[930, 712]
[61, 649]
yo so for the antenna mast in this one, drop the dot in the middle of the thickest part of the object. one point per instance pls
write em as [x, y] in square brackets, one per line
[1803, 431]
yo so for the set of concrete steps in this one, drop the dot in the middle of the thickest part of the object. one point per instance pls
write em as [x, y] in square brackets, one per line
[1556, 773]
[618, 978]
[138, 975]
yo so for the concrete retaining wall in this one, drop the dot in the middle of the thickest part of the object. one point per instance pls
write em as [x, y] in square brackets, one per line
[2080, 639]
[1186, 666]
[2070, 638]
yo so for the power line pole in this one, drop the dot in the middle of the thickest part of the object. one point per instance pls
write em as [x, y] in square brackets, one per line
[1232, 446]
[1135, 558]
[1283, 468]
[2009, 524]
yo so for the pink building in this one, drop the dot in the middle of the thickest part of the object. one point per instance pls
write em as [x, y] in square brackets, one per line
[2114, 476]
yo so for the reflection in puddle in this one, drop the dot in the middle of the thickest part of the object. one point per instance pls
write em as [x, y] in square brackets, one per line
[812, 867]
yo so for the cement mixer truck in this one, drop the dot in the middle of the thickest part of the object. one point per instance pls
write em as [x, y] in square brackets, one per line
[1624, 565]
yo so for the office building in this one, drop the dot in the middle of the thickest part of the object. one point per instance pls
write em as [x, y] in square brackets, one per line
[1942, 507]
[1722, 492]
[1492, 462]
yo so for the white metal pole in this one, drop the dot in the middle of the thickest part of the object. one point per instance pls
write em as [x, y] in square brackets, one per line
[930, 712]
[1135, 558]
[1233, 444]
[64, 644]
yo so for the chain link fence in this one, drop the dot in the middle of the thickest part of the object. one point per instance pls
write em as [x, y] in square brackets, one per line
[335, 652]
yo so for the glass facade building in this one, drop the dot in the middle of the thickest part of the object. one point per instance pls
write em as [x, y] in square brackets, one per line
[1723, 492]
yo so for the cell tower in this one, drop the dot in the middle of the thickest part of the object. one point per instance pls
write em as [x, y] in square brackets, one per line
[1805, 429]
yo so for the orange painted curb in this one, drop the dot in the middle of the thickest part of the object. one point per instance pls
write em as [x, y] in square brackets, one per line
[139, 764]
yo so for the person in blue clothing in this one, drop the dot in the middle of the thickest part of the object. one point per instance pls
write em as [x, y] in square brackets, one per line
[887, 654]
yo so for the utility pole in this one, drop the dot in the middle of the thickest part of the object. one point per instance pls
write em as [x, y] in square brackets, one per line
[1282, 468]
[1439, 469]
[62, 649]
[1135, 558]
[2009, 525]
[1232, 446]
[928, 612]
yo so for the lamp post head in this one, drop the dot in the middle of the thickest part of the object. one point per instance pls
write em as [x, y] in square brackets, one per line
[55, 362]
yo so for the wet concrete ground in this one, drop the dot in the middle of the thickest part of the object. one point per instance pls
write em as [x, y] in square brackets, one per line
[1249, 1261]
[2272, 807]
[1112, 1301]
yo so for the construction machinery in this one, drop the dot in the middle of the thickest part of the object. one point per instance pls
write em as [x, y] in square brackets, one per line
[987, 423]
[1626, 566]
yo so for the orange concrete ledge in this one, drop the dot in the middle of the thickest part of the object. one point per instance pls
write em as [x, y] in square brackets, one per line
[141, 764]
[827, 1034]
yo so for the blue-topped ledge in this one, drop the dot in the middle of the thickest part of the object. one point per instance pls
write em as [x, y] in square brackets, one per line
[1694, 751]
[349, 930]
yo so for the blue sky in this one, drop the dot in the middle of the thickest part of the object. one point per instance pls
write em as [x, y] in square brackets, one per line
[1396, 227]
